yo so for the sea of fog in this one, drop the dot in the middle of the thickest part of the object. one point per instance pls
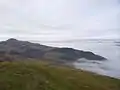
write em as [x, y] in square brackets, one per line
[106, 48]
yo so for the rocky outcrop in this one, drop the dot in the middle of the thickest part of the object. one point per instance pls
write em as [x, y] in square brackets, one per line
[37, 51]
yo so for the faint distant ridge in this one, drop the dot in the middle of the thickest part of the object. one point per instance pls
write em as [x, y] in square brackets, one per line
[118, 43]
[79, 40]
[24, 49]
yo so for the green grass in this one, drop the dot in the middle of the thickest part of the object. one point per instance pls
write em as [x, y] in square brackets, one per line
[37, 76]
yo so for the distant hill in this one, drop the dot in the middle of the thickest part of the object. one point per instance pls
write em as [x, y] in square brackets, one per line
[25, 49]
[117, 43]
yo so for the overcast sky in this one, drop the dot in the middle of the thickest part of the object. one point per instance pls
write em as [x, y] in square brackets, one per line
[59, 19]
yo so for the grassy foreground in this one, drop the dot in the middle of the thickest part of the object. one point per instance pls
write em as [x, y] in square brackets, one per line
[37, 76]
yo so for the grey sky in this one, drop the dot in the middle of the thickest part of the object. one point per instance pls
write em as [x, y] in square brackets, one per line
[59, 19]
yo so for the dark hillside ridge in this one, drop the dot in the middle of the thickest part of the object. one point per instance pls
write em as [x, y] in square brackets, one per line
[13, 47]
[117, 43]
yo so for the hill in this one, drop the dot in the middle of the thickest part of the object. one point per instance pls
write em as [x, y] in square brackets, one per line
[25, 49]
[42, 76]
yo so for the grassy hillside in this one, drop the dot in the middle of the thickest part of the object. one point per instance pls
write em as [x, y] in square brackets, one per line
[37, 76]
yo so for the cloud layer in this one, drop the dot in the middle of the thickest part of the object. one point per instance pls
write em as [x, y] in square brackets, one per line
[59, 19]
